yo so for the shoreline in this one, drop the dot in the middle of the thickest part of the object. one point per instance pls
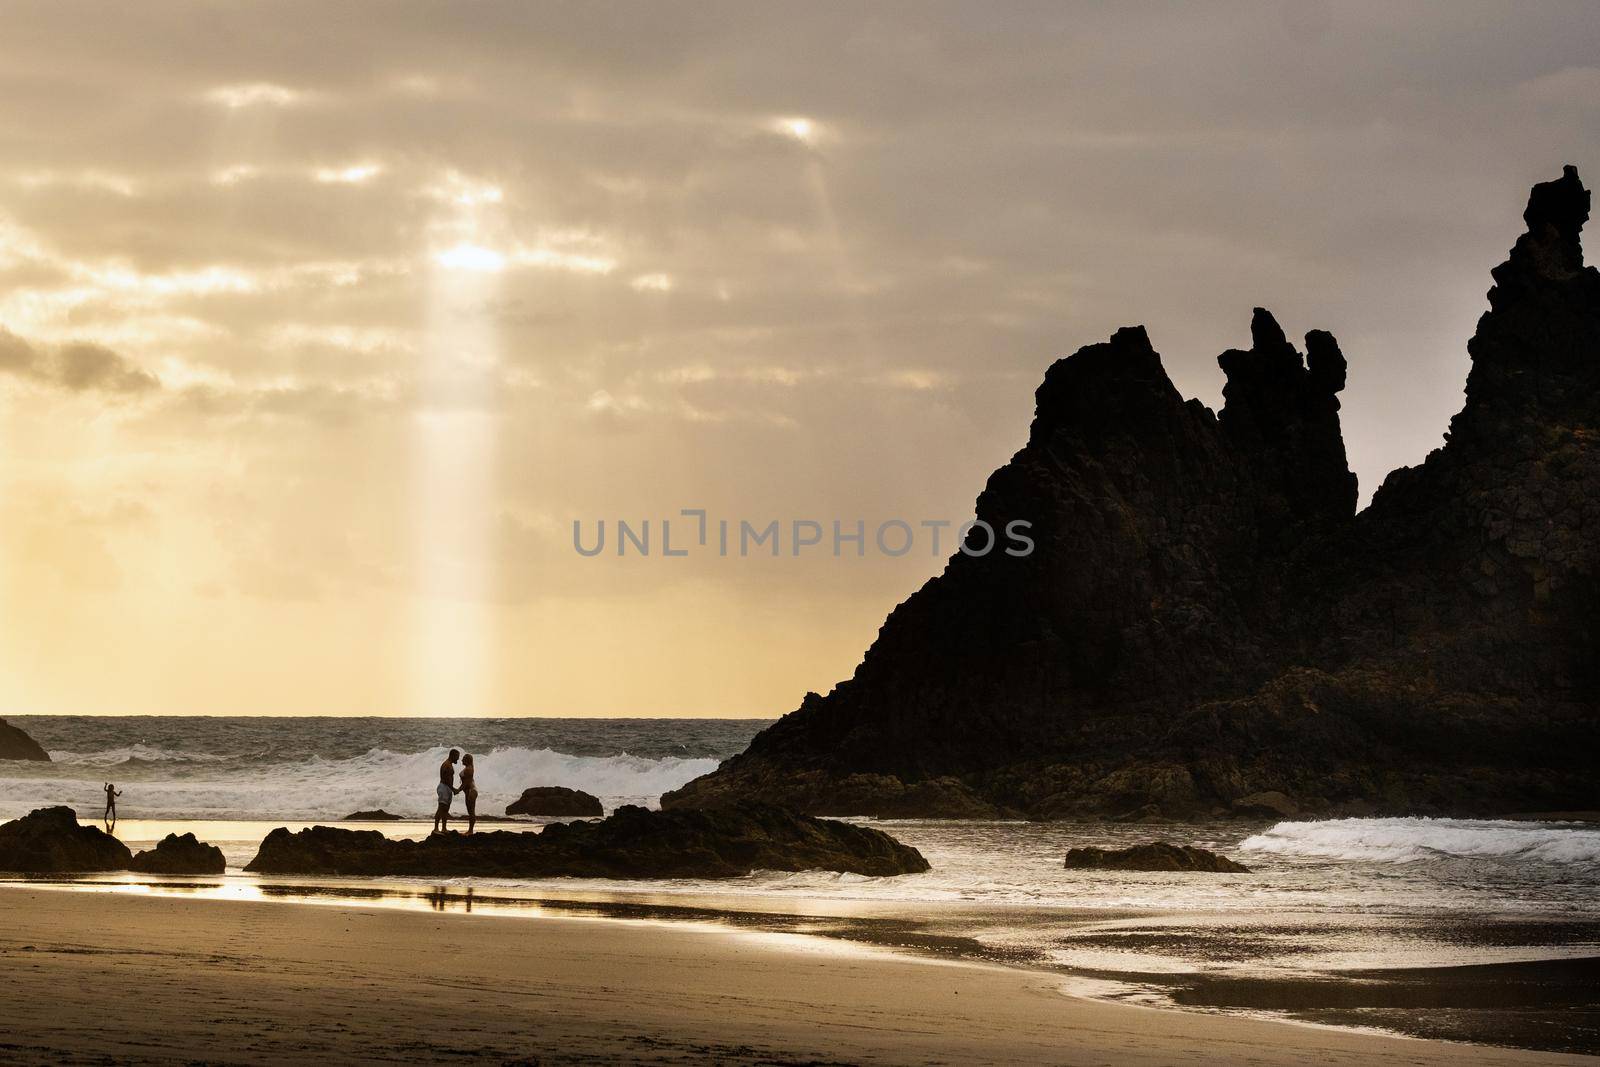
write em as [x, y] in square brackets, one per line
[1295, 941]
[142, 978]
[870, 935]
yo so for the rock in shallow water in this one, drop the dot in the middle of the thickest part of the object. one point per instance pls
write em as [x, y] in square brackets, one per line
[1153, 856]
[555, 800]
[50, 841]
[632, 843]
[180, 854]
[14, 744]
[1268, 805]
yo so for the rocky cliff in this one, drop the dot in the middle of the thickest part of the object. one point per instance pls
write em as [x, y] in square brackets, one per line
[1207, 618]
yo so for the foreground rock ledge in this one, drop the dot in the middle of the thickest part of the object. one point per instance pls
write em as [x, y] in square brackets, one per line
[632, 843]
[1154, 856]
[50, 841]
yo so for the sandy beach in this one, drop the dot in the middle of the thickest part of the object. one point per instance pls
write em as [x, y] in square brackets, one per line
[98, 976]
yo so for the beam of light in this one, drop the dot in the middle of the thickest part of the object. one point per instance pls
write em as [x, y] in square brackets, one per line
[471, 258]
[455, 440]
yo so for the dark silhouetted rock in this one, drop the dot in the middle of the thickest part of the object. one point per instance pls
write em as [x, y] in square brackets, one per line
[14, 744]
[632, 843]
[1207, 619]
[1266, 805]
[555, 800]
[50, 841]
[1154, 856]
[378, 815]
[180, 854]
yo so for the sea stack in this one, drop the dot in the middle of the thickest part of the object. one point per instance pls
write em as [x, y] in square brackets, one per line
[1207, 619]
[14, 744]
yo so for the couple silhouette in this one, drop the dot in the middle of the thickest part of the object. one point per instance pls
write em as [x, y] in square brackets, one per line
[449, 787]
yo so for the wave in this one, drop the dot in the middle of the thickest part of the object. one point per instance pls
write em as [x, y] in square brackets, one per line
[1411, 840]
[116, 757]
[321, 788]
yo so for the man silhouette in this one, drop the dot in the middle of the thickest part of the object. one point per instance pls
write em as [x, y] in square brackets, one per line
[446, 791]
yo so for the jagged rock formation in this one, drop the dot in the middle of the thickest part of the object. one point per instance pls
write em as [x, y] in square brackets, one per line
[556, 801]
[14, 744]
[1152, 856]
[376, 815]
[175, 854]
[632, 843]
[50, 841]
[1207, 619]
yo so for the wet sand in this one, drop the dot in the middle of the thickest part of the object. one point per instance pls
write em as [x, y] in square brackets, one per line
[101, 976]
[1546, 1004]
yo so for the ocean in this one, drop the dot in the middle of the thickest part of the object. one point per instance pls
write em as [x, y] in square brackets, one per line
[251, 768]
[1485, 930]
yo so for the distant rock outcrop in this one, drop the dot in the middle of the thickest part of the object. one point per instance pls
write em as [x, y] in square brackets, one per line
[14, 744]
[1207, 627]
[632, 843]
[50, 841]
[555, 800]
[1154, 856]
[180, 854]
[376, 815]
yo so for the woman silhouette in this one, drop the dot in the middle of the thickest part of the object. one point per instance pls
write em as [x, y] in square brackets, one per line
[469, 789]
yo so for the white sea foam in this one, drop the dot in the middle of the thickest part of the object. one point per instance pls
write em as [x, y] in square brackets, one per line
[1411, 840]
[319, 788]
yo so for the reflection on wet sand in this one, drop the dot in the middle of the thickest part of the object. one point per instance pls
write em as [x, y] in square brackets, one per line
[1524, 981]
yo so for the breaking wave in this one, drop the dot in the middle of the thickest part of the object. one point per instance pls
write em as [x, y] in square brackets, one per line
[1412, 840]
[116, 757]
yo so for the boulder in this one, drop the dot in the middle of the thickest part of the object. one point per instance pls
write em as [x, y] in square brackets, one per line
[14, 744]
[1205, 615]
[1267, 805]
[632, 843]
[556, 800]
[1152, 856]
[180, 854]
[50, 841]
[377, 815]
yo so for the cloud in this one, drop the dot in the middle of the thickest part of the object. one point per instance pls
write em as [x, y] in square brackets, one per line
[76, 367]
[683, 247]
[254, 94]
[1570, 86]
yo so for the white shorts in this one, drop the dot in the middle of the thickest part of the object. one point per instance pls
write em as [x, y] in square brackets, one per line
[446, 794]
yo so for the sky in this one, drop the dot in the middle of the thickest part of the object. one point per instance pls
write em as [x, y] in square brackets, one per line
[320, 325]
